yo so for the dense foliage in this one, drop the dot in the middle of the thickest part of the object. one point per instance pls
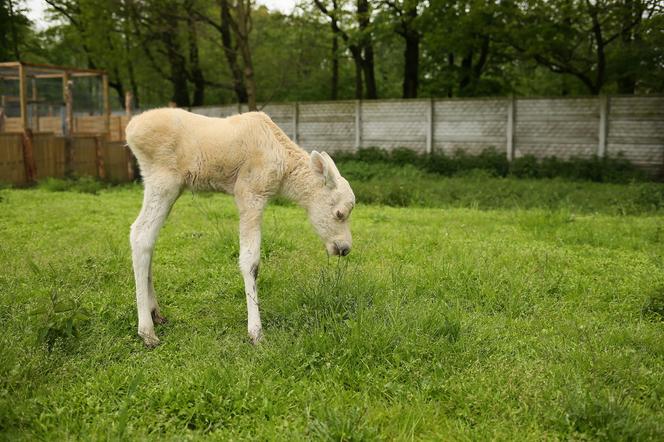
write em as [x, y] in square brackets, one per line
[197, 52]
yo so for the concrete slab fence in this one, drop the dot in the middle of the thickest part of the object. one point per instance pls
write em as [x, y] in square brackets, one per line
[563, 127]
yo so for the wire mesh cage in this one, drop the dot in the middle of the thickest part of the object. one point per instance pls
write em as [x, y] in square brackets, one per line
[53, 99]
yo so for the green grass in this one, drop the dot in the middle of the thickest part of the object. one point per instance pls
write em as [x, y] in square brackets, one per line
[526, 321]
[406, 185]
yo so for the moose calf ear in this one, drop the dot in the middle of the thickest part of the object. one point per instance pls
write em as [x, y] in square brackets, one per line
[320, 163]
[317, 163]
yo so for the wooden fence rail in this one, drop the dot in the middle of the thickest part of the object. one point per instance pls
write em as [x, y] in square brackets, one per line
[88, 156]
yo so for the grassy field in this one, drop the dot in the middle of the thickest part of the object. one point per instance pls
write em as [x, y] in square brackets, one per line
[478, 318]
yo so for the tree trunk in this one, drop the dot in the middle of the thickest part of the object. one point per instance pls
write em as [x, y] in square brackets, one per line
[178, 74]
[450, 65]
[242, 29]
[357, 58]
[134, 84]
[411, 65]
[597, 85]
[334, 89]
[197, 77]
[369, 73]
[627, 79]
[465, 74]
[12, 20]
[128, 56]
[118, 86]
[364, 20]
[231, 53]
[411, 53]
[478, 67]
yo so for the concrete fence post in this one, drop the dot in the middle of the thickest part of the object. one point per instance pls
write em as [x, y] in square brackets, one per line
[430, 126]
[296, 117]
[603, 125]
[358, 124]
[511, 123]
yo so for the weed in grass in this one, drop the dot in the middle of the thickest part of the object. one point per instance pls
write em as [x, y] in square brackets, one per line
[59, 319]
[604, 416]
[654, 306]
[346, 425]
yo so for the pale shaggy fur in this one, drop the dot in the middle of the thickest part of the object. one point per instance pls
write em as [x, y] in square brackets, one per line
[245, 155]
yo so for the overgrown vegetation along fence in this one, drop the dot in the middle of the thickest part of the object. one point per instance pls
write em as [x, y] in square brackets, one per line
[28, 158]
[541, 127]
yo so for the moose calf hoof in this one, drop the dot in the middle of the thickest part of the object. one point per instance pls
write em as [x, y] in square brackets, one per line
[157, 318]
[256, 336]
[150, 340]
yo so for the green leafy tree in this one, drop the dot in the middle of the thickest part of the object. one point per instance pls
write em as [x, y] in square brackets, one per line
[14, 30]
[463, 53]
[595, 41]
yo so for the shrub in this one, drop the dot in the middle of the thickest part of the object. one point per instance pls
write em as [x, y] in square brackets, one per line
[654, 305]
[611, 169]
[372, 155]
[402, 156]
[525, 167]
[84, 184]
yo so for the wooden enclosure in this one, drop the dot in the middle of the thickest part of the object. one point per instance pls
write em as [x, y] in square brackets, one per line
[61, 119]
[44, 137]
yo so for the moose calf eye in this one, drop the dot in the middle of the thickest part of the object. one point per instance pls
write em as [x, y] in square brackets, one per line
[339, 214]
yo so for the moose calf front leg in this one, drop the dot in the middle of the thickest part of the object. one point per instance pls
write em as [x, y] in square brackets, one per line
[250, 245]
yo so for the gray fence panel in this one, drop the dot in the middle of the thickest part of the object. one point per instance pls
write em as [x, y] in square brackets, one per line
[543, 127]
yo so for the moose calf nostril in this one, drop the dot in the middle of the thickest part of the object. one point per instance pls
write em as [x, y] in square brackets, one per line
[344, 251]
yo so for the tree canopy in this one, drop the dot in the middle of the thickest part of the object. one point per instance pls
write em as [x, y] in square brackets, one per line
[196, 52]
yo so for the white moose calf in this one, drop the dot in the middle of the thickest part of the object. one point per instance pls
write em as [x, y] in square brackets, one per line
[245, 155]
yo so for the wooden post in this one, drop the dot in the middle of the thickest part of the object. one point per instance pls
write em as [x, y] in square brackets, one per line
[511, 114]
[28, 156]
[22, 84]
[129, 157]
[2, 113]
[129, 104]
[68, 129]
[603, 125]
[296, 115]
[69, 105]
[99, 158]
[130, 163]
[430, 127]
[63, 109]
[107, 105]
[34, 107]
[358, 124]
